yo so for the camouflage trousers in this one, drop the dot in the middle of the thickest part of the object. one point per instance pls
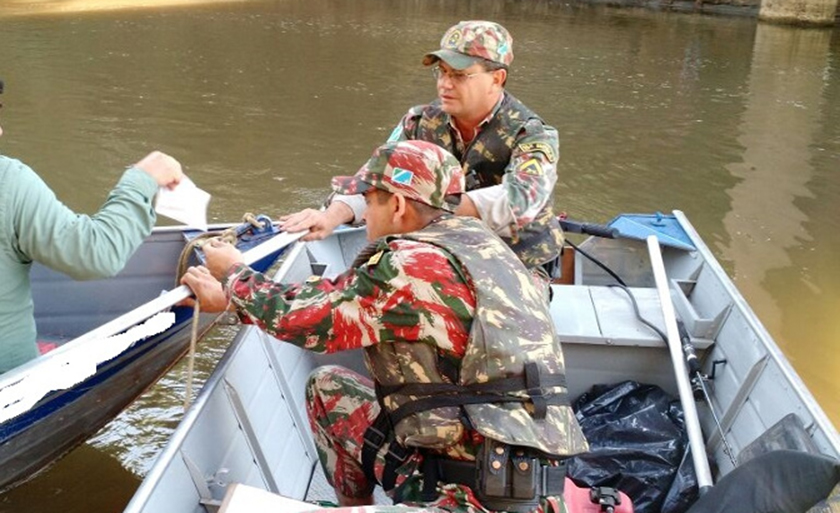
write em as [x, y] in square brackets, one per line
[341, 404]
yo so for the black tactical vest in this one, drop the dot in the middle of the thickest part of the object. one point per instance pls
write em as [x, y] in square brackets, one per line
[486, 159]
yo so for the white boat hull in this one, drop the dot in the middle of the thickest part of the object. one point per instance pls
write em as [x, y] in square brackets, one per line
[249, 424]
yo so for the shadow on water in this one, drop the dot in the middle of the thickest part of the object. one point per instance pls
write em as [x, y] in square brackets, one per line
[105, 483]
[780, 219]
[102, 474]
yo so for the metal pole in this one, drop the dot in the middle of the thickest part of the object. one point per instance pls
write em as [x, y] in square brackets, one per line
[692, 423]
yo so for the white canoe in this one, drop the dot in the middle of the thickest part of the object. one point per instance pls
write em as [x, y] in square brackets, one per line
[248, 426]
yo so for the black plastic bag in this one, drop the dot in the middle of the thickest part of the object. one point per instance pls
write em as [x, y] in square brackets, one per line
[638, 444]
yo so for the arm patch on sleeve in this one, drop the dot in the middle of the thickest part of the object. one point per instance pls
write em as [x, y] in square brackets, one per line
[532, 167]
[541, 147]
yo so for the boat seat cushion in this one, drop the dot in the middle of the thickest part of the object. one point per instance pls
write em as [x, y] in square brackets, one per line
[775, 482]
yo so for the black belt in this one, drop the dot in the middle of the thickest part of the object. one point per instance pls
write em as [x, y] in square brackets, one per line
[550, 479]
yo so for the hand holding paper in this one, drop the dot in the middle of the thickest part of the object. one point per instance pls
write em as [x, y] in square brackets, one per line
[185, 203]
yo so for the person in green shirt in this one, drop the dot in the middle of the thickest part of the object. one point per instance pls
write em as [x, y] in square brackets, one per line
[37, 227]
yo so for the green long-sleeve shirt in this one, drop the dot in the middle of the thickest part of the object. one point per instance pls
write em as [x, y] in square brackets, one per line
[36, 226]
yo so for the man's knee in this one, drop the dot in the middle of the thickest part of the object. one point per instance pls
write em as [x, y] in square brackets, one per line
[319, 377]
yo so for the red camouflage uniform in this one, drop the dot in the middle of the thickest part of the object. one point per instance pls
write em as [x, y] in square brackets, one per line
[410, 293]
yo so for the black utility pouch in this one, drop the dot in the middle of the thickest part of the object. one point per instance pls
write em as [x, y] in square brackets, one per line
[493, 469]
[507, 478]
[524, 475]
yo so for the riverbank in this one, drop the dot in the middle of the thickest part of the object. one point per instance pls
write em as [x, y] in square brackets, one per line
[745, 8]
[36, 7]
[740, 8]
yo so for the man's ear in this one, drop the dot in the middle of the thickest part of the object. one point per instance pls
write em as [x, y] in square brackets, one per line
[499, 77]
[399, 206]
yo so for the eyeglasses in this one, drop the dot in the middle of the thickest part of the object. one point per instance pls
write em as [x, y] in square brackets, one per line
[455, 76]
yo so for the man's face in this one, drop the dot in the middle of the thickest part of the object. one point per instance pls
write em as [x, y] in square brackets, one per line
[468, 93]
[379, 215]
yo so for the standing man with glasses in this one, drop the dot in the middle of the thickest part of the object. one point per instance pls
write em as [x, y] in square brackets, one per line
[508, 152]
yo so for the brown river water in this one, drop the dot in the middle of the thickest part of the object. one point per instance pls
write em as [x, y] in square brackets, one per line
[733, 122]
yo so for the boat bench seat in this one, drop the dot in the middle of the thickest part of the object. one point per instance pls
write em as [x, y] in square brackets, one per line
[605, 315]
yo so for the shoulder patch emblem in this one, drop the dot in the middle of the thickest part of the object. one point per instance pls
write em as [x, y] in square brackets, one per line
[396, 133]
[375, 258]
[541, 147]
[532, 167]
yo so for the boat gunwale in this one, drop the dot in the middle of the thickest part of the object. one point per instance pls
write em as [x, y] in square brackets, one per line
[813, 407]
[216, 379]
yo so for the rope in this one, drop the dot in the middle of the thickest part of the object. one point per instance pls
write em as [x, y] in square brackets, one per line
[191, 357]
[228, 235]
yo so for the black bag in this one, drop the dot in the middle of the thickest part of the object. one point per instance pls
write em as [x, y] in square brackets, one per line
[638, 444]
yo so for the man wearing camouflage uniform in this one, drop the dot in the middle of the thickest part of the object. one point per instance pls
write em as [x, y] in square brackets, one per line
[467, 367]
[508, 152]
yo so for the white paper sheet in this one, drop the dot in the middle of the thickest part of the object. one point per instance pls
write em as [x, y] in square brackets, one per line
[186, 203]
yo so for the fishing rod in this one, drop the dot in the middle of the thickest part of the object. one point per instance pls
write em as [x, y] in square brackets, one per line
[698, 382]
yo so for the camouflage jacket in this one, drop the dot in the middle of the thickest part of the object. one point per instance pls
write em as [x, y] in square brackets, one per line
[514, 150]
[512, 335]
[411, 292]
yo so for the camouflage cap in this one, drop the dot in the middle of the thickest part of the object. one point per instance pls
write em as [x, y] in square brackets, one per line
[469, 41]
[418, 170]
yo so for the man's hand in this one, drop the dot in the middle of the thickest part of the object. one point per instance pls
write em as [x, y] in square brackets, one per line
[165, 170]
[207, 289]
[320, 223]
[220, 257]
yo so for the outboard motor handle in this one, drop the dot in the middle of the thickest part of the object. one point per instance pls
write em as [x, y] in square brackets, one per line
[598, 230]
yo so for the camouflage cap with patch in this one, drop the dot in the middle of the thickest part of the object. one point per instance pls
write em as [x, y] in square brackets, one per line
[468, 41]
[418, 170]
